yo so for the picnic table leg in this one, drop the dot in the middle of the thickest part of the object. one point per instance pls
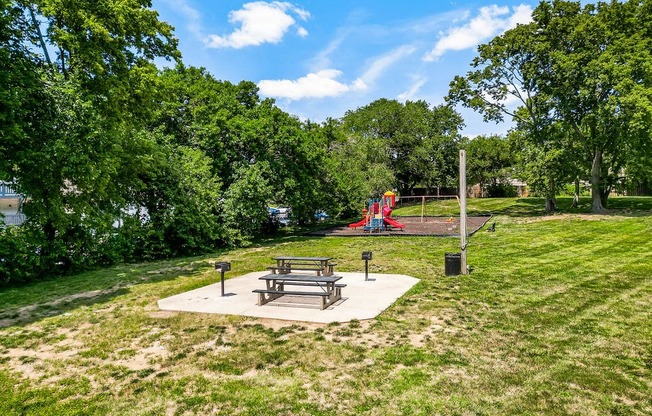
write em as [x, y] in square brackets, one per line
[284, 266]
[266, 298]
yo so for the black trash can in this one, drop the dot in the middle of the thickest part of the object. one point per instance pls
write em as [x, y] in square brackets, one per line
[453, 264]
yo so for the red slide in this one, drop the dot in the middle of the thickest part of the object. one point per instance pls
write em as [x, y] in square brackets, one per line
[394, 223]
[359, 223]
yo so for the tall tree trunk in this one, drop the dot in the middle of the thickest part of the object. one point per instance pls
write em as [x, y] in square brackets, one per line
[37, 28]
[576, 198]
[604, 195]
[596, 188]
[551, 202]
[551, 205]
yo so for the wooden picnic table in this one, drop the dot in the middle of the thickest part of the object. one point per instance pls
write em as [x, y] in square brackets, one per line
[276, 285]
[286, 264]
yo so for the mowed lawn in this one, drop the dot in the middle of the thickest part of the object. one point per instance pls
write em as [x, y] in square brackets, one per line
[555, 319]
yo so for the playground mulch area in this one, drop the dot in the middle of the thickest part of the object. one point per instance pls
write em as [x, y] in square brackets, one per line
[414, 226]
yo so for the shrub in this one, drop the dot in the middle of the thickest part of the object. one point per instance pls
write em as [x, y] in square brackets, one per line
[19, 260]
[501, 191]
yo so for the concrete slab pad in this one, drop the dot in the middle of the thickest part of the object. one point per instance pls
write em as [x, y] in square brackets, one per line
[360, 299]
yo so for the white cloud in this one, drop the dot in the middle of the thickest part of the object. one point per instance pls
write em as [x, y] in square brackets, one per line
[522, 15]
[192, 15]
[323, 83]
[301, 31]
[379, 65]
[322, 59]
[260, 22]
[314, 85]
[414, 89]
[491, 21]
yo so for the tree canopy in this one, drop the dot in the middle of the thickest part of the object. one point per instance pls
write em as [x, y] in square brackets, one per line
[119, 160]
[581, 77]
[416, 142]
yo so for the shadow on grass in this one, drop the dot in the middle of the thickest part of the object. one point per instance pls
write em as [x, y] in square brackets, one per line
[618, 205]
[522, 207]
[25, 304]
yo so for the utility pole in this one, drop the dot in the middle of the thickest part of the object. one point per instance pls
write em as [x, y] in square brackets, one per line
[463, 234]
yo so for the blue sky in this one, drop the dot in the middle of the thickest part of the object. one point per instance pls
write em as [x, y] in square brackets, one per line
[320, 58]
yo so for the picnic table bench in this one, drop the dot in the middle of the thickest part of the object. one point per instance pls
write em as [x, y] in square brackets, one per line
[276, 286]
[287, 264]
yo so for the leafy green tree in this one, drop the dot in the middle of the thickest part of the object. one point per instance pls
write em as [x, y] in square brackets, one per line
[178, 209]
[638, 176]
[440, 149]
[245, 203]
[503, 84]
[68, 120]
[353, 178]
[545, 165]
[413, 140]
[598, 76]
[489, 161]
[576, 70]
[238, 130]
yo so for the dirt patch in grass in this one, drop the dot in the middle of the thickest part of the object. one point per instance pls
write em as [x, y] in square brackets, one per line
[26, 313]
[162, 314]
[53, 361]
[414, 226]
[172, 269]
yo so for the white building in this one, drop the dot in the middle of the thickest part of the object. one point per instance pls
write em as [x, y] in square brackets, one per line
[10, 204]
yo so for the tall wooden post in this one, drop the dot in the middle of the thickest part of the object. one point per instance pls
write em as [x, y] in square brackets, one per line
[463, 234]
[423, 207]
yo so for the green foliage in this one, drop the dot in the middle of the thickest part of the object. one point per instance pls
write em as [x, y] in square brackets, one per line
[18, 256]
[181, 202]
[245, 209]
[69, 127]
[490, 159]
[416, 142]
[354, 178]
[582, 80]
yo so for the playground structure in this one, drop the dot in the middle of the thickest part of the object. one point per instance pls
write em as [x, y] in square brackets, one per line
[377, 216]
[378, 219]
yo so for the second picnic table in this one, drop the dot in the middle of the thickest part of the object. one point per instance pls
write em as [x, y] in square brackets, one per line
[286, 264]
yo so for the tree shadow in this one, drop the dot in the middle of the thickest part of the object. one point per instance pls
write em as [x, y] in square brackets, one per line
[31, 302]
[535, 207]
[616, 206]
[522, 207]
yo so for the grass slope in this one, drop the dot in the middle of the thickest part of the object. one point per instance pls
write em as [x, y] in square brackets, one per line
[555, 319]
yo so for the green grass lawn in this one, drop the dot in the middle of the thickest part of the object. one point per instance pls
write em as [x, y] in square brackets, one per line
[555, 319]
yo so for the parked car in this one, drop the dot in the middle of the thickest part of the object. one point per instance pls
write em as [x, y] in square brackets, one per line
[282, 214]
